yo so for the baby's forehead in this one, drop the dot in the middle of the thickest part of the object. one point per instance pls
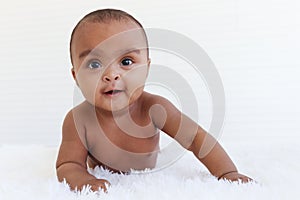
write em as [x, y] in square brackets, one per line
[107, 25]
[113, 30]
[112, 38]
[112, 49]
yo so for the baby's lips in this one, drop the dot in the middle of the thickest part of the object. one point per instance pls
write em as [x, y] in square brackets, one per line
[113, 91]
[107, 89]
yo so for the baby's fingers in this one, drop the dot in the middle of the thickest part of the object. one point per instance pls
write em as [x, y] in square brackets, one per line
[237, 177]
[99, 184]
[244, 179]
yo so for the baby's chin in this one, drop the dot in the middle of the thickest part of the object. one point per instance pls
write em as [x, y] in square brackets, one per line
[113, 108]
[116, 105]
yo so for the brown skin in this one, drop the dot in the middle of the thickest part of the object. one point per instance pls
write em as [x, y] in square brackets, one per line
[119, 131]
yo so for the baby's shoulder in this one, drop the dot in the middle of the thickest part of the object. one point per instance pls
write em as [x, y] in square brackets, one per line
[80, 113]
[152, 99]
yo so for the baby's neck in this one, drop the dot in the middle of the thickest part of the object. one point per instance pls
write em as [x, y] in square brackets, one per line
[107, 114]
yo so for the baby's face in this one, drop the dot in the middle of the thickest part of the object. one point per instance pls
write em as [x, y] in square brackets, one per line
[110, 63]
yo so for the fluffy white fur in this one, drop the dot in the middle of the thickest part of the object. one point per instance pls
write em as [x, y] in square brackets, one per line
[27, 172]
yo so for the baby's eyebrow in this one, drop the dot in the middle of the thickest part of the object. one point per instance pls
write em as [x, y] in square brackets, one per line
[84, 53]
[119, 52]
[126, 51]
[87, 52]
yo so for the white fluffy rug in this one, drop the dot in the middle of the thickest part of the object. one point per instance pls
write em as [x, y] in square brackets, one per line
[27, 172]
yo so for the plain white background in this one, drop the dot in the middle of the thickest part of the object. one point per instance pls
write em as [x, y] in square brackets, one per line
[254, 44]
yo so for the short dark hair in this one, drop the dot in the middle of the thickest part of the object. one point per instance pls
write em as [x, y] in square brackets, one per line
[104, 16]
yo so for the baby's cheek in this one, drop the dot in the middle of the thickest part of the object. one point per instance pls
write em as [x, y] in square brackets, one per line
[136, 78]
[89, 87]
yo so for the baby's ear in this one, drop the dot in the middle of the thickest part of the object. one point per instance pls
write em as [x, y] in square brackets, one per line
[148, 65]
[74, 75]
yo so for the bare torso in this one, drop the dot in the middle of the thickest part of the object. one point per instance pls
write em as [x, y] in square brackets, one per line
[121, 142]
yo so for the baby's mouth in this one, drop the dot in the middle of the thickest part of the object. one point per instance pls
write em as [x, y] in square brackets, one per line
[113, 92]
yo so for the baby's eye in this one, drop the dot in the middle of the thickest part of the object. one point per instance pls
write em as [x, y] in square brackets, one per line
[94, 64]
[126, 62]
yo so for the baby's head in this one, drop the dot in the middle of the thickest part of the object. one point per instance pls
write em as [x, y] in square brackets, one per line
[109, 54]
[105, 16]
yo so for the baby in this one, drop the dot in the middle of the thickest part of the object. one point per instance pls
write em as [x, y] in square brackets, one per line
[118, 125]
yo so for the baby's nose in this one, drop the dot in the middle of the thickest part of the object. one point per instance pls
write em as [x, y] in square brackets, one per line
[108, 77]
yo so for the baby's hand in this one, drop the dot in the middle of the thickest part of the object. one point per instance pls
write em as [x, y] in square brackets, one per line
[235, 176]
[97, 184]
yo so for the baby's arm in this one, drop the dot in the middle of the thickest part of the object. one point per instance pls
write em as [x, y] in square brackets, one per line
[71, 161]
[192, 137]
[207, 149]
